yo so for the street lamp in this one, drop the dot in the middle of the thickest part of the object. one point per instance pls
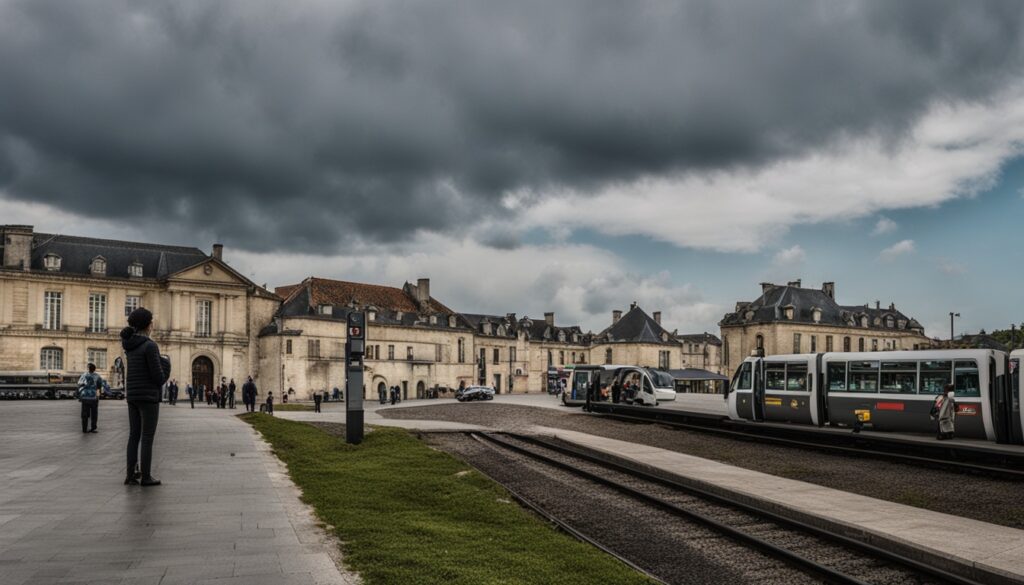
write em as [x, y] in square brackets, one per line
[951, 316]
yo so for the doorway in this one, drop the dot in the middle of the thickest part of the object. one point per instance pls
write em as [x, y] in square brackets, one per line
[202, 373]
[421, 389]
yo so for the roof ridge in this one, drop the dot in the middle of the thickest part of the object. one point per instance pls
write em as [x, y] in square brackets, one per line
[122, 243]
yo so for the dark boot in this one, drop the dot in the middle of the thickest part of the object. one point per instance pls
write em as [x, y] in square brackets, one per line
[150, 481]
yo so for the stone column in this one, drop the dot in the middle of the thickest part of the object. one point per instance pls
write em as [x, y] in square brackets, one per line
[176, 311]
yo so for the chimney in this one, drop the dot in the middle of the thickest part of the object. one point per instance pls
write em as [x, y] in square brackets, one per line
[510, 317]
[765, 286]
[423, 290]
[878, 304]
[657, 317]
[616, 315]
[17, 246]
[794, 283]
[892, 306]
[218, 251]
[549, 318]
[829, 288]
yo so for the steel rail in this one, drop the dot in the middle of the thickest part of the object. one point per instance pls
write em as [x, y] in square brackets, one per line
[807, 565]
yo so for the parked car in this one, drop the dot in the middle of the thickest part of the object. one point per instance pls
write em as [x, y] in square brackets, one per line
[111, 393]
[475, 393]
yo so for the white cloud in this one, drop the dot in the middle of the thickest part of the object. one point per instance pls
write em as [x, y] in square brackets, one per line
[790, 256]
[884, 226]
[898, 249]
[951, 267]
[954, 151]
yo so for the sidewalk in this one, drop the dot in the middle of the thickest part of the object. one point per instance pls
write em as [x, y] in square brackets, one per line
[65, 516]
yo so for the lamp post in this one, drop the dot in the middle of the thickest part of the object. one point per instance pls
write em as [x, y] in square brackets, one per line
[951, 336]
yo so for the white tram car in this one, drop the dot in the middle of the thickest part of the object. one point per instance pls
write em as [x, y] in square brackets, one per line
[893, 390]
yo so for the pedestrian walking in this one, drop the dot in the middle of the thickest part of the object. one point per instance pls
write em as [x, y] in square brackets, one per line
[270, 403]
[249, 395]
[147, 372]
[944, 413]
[173, 390]
[208, 393]
[317, 397]
[191, 395]
[394, 394]
[231, 393]
[88, 394]
[222, 393]
[382, 394]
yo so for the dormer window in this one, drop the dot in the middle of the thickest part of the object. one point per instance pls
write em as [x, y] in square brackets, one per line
[902, 323]
[576, 337]
[749, 315]
[371, 315]
[98, 266]
[664, 336]
[878, 321]
[451, 321]
[816, 314]
[51, 262]
[433, 319]
[325, 309]
[864, 321]
[501, 330]
[561, 336]
[889, 322]
[135, 270]
[789, 312]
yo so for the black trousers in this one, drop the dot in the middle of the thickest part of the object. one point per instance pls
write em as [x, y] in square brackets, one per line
[142, 419]
[231, 400]
[90, 409]
[316, 406]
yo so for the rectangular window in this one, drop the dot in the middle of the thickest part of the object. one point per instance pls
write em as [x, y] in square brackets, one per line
[437, 353]
[966, 378]
[288, 346]
[663, 359]
[860, 344]
[874, 345]
[583, 358]
[204, 318]
[97, 312]
[131, 302]
[899, 377]
[774, 376]
[408, 352]
[836, 372]
[52, 302]
[97, 357]
[935, 375]
[828, 343]
[863, 377]
[796, 343]
[512, 354]
[573, 356]
[462, 351]
[607, 356]
[313, 348]
[391, 352]
[814, 344]
[51, 358]
[846, 344]
[744, 377]
[561, 357]
[497, 356]
[796, 377]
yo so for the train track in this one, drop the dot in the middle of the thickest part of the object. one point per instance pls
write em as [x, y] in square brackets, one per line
[822, 554]
[954, 462]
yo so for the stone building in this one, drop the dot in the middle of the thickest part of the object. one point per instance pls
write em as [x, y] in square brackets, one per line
[636, 338]
[701, 350]
[792, 319]
[552, 348]
[64, 299]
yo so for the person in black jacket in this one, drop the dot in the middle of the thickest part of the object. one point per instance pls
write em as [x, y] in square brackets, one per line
[147, 371]
[231, 393]
[249, 395]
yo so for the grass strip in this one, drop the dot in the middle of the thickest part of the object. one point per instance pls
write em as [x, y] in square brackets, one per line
[293, 406]
[410, 514]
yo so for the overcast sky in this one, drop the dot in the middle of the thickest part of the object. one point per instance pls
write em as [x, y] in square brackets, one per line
[529, 156]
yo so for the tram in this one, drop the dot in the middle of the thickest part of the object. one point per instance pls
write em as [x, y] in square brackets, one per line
[890, 391]
[34, 384]
[651, 385]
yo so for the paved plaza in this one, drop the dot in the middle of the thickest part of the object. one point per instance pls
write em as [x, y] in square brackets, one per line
[227, 513]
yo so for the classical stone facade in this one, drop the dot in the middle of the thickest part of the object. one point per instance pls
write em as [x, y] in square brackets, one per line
[63, 300]
[792, 319]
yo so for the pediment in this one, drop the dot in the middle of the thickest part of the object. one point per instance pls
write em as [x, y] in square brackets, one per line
[209, 271]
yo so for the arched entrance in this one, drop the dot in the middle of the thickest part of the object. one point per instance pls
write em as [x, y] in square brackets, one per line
[202, 373]
[421, 389]
[382, 392]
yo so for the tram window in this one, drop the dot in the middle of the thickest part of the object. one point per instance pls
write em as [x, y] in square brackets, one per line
[1015, 383]
[967, 383]
[836, 376]
[744, 377]
[899, 377]
[775, 376]
[796, 377]
[580, 382]
[863, 377]
[935, 375]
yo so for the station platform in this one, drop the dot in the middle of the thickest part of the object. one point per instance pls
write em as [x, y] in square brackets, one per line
[984, 552]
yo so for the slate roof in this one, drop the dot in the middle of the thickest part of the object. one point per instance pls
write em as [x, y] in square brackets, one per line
[976, 341]
[771, 307]
[392, 306]
[476, 320]
[539, 330]
[77, 253]
[635, 326]
[710, 338]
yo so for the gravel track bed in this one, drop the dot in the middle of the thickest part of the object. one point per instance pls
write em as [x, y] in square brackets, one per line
[982, 498]
[832, 555]
[677, 551]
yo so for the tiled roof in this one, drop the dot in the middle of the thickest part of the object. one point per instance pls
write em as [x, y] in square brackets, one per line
[476, 320]
[774, 301]
[77, 254]
[635, 326]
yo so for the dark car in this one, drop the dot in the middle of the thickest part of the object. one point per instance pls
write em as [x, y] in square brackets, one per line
[475, 393]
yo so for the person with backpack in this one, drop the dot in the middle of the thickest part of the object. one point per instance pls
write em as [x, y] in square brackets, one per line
[147, 371]
[89, 385]
[944, 413]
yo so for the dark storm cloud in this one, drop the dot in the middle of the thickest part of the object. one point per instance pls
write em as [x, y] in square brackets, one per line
[301, 126]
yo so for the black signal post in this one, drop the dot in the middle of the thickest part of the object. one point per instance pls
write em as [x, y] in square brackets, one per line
[355, 348]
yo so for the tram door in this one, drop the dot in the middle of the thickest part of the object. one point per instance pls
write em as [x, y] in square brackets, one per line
[741, 391]
[1013, 376]
[788, 392]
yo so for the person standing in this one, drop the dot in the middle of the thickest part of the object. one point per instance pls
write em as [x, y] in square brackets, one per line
[944, 411]
[249, 395]
[616, 392]
[222, 393]
[173, 389]
[147, 371]
[208, 393]
[270, 403]
[231, 394]
[382, 394]
[191, 395]
[317, 397]
[88, 394]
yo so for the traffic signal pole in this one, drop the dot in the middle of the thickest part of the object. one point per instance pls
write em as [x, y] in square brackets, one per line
[355, 347]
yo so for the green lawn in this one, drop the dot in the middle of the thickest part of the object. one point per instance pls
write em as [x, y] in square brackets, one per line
[408, 514]
[293, 406]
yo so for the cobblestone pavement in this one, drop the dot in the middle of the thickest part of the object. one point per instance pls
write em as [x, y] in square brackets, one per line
[219, 519]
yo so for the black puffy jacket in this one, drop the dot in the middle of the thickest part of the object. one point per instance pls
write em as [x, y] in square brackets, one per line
[147, 370]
